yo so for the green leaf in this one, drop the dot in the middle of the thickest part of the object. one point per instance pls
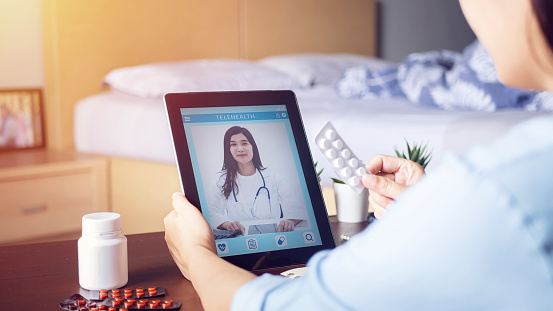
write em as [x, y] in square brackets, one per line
[424, 161]
[424, 149]
[415, 156]
[318, 172]
[425, 158]
[397, 152]
[425, 164]
[416, 153]
[338, 181]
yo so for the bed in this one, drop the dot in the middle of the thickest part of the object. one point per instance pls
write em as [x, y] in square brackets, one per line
[370, 126]
[127, 122]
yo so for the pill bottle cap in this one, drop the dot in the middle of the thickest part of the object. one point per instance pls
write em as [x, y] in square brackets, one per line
[98, 223]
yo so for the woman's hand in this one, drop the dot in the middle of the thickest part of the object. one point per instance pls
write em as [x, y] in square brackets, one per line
[287, 225]
[192, 245]
[187, 233]
[390, 177]
[232, 226]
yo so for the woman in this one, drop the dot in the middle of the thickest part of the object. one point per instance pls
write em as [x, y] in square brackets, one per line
[247, 191]
[475, 235]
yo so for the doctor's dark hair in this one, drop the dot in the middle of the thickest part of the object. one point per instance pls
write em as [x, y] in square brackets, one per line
[543, 9]
[229, 163]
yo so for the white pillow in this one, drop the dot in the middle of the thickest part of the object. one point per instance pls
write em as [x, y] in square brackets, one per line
[155, 79]
[319, 68]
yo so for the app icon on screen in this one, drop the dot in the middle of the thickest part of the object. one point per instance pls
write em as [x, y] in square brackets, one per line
[309, 237]
[251, 244]
[222, 248]
[281, 240]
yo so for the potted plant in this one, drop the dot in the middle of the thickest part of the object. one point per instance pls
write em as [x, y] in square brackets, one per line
[416, 154]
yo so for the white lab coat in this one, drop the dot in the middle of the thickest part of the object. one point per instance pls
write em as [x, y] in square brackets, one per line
[283, 196]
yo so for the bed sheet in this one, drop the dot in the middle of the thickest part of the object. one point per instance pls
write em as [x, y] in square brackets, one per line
[117, 124]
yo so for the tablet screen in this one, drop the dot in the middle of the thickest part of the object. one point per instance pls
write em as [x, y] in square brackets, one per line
[248, 174]
[244, 161]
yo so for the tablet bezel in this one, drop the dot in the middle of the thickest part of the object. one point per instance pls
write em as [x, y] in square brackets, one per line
[264, 260]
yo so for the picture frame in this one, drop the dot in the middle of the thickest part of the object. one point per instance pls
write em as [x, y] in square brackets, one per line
[21, 119]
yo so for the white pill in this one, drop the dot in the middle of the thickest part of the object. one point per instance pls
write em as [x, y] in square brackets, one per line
[330, 134]
[338, 163]
[345, 154]
[346, 171]
[361, 171]
[353, 162]
[354, 181]
[331, 154]
[323, 143]
[338, 144]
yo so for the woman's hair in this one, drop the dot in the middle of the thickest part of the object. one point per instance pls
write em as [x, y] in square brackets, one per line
[543, 9]
[229, 163]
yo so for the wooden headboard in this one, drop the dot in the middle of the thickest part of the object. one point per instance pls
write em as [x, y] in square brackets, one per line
[86, 39]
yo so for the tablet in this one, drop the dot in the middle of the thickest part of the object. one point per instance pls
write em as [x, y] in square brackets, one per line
[244, 161]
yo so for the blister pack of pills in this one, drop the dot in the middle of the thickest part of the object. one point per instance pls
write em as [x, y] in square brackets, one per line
[114, 300]
[127, 293]
[339, 155]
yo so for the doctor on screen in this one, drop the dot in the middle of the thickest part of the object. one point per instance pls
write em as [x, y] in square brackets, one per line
[247, 191]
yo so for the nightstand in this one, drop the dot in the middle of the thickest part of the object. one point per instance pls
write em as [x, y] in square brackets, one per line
[46, 193]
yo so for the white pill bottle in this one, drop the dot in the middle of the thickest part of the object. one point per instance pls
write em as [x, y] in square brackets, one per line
[102, 252]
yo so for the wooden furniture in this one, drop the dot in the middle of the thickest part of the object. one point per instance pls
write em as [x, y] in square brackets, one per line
[40, 276]
[45, 193]
[84, 40]
[141, 192]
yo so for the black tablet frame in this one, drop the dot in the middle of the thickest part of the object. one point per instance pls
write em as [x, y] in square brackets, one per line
[265, 260]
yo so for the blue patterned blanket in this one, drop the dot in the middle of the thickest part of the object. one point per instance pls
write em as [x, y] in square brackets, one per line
[444, 79]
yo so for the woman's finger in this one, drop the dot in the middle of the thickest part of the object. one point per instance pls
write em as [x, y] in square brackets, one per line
[379, 199]
[384, 163]
[181, 203]
[387, 175]
[382, 185]
[379, 211]
[288, 226]
[241, 228]
[284, 226]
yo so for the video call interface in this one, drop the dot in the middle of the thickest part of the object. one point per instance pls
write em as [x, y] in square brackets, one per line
[249, 178]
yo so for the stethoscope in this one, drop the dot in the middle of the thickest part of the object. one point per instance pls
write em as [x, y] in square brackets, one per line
[238, 205]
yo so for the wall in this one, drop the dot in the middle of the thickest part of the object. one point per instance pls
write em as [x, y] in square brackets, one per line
[79, 50]
[21, 48]
[407, 26]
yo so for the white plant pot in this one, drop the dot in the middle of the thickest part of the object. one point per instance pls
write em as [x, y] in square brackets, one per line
[350, 206]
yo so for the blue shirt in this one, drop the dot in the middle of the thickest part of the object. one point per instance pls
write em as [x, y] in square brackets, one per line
[477, 234]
